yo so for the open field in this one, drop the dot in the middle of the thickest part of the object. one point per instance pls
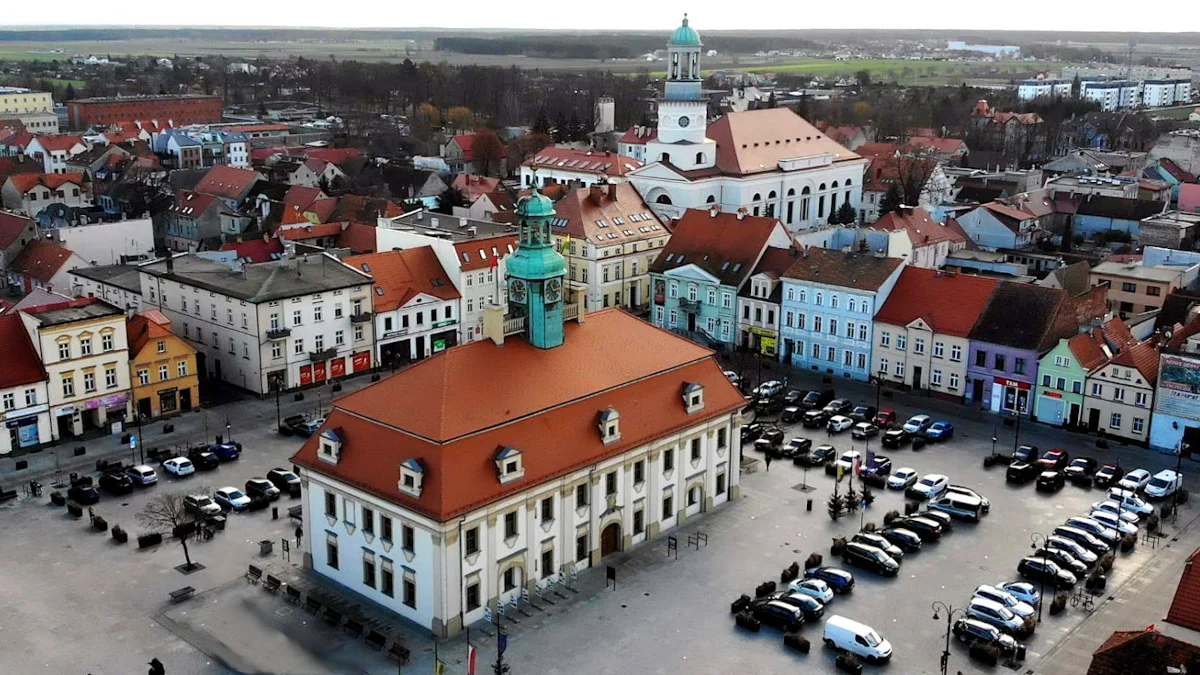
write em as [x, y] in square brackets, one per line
[901, 70]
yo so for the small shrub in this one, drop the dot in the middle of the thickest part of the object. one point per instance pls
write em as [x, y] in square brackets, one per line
[1152, 523]
[890, 516]
[797, 641]
[1106, 562]
[1058, 604]
[57, 498]
[988, 654]
[839, 545]
[1167, 509]
[870, 527]
[814, 560]
[1128, 541]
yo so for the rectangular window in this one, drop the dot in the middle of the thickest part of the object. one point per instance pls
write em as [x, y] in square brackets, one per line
[610, 484]
[981, 359]
[956, 353]
[833, 326]
[510, 524]
[276, 350]
[1061, 384]
[1118, 394]
[639, 524]
[368, 520]
[581, 547]
[410, 589]
[1076, 387]
[64, 350]
[720, 483]
[668, 460]
[998, 362]
[331, 505]
[1045, 380]
[331, 551]
[369, 569]
[639, 472]
[1115, 421]
[386, 581]
[668, 507]
[885, 339]
[548, 508]
[696, 449]
[581, 495]
[938, 349]
[298, 347]
[408, 537]
[10, 401]
[163, 373]
[1019, 366]
[85, 346]
[862, 332]
[953, 381]
[722, 437]
[901, 342]
[181, 368]
[919, 345]
[936, 378]
[817, 324]
[317, 313]
[1139, 399]
[143, 376]
[297, 317]
[473, 597]
[1139, 425]
[1129, 287]
[830, 354]
[1097, 389]
[89, 382]
[471, 541]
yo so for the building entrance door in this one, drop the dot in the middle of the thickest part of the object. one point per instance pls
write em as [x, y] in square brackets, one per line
[691, 322]
[916, 377]
[185, 399]
[610, 539]
[1073, 418]
[1093, 419]
[977, 391]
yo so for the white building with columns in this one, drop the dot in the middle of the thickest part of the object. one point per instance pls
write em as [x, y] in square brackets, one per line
[770, 161]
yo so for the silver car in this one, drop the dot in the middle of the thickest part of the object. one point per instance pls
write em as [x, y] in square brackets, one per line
[1021, 609]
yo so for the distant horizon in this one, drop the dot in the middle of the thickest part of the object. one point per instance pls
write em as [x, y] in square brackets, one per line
[13, 27]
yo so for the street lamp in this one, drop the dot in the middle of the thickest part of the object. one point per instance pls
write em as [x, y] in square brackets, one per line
[995, 428]
[950, 611]
[1017, 435]
[879, 387]
[1033, 538]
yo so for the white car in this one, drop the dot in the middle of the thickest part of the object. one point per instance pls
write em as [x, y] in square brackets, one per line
[813, 588]
[917, 423]
[179, 466]
[1130, 501]
[846, 461]
[1014, 605]
[1060, 543]
[1023, 591]
[733, 377]
[769, 388]
[1134, 480]
[231, 498]
[1111, 521]
[1164, 484]
[839, 423]
[1114, 508]
[932, 485]
[964, 490]
[902, 478]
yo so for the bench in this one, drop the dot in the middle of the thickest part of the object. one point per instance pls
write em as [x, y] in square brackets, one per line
[332, 616]
[292, 593]
[376, 640]
[312, 604]
[181, 594]
[353, 627]
[400, 652]
[296, 513]
[253, 574]
[272, 583]
[6, 495]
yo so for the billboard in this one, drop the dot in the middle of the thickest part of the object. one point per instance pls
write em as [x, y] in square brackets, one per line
[1179, 387]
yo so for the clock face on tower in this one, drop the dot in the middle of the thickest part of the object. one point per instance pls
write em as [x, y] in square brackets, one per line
[553, 291]
[516, 290]
[684, 121]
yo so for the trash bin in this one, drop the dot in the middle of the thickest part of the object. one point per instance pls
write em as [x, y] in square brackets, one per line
[218, 522]
[266, 546]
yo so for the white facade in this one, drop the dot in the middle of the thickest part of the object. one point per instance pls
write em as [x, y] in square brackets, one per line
[414, 327]
[463, 567]
[82, 287]
[1159, 93]
[25, 410]
[1118, 402]
[35, 199]
[53, 161]
[918, 356]
[105, 243]
[1111, 95]
[759, 315]
[1031, 89]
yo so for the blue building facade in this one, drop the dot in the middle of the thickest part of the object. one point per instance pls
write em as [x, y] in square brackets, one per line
[828, 307]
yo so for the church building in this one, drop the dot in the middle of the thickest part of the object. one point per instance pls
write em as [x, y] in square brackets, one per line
[769, 161]
[509, 464]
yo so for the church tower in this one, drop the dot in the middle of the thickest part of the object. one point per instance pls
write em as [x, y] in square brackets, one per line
[683, 111]
[535, 274]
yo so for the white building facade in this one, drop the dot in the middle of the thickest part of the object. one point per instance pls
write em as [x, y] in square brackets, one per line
[1031, 89]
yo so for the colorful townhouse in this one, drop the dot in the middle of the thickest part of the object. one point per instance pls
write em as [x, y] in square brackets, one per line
[1119, 395]
[708, 259]
[162, 367]
[1063, 371]
[829, 300]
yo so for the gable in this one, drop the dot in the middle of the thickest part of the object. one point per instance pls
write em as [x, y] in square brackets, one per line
[919, 324]
[656, 171]
[691, 272]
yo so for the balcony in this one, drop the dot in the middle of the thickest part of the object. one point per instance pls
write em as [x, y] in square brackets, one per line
[514, 325]
[361, 317]
[570, 312]
[322, 355]
[689, 305]
[278, 333]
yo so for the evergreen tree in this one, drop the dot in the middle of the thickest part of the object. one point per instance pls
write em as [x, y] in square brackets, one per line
[891, 200]
[70, 93]
[846, 214]
[541, 125]
[836, 506]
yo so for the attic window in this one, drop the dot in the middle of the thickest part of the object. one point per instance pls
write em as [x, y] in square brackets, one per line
[466, 257]
[412, 476]
[608, 421]
[330, 449]
[379, 290]
[366, 267]
[435, 282]
[510, 464]
[693, 397]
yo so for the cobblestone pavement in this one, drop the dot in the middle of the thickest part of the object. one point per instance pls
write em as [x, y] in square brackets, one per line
[75, 602]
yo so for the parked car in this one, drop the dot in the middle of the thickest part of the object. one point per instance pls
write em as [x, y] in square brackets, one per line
[928, 530]
[1164, 484]
[1020, 472]
[1107, 475]
[795, 447]
[1050, 481]
[226, 452]
[822, 455]
[938, 516]
[116, 483]
[864, 430]
[231, 498]
[1130, 500]
[309, 427]
[794, 396]
[289, 425]
[976, 632]
[1135, 480]
[764, 446]
[894, 438]
[142, 475]
[768, 389]
[984, 503]
[791, 415]
[751, 432]
[83, 494]
[856, 638]
[1025, 453]
[841, 581]
[1035, 569]
[1112, 522]
[846, 461]
[812, 608]
[1094, 528]
[285, 480]
[886, 418]
[768, 406]
[1063, 559]
[991, 612]
[773, 434]
[839, 406]
[814, 419]
[1109, 506]
[201, 505]
[1023, 591]
[880, 542]
[902, 478]
[1054, 460]
[203, 459]
[940, 431]
[870, 557]
[732, 376]
[179, 466]
[816, 399]
[917, 424]
[863, 413]
[1060, 543]
[876, 466]
[839, 423]
[1081, 470]
[778, 614]
[932, 485]
[906, 540]
[958, 505]
[1083, 538]
[813, 588]
[1003, 597]
[261, 487]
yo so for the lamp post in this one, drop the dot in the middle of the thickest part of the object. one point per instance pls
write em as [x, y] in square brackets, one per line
[1033, 538]
[1017, 435]
[950, 611]
[994, 439]
[879, 388]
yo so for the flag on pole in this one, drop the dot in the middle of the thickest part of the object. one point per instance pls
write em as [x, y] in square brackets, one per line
[566, 244]
[857, 466]
[470, 660]
[502, 643]
[840, 471]
[439, 668]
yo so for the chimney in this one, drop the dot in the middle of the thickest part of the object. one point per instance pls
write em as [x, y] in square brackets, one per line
[170, 263]
[806, 250]
[612, 191]
[596, 193]
[713, 211]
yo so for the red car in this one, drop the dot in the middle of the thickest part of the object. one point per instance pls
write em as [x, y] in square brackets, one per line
[885, 418]
[1054, 460]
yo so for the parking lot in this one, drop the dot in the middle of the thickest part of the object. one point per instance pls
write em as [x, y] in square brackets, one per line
[77, 602]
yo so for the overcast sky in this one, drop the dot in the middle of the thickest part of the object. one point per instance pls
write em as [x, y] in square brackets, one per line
[1062, 15]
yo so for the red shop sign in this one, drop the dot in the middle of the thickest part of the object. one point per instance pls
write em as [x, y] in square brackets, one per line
[361, 361]
[319, 371]
[305, 376]
[337, 367]
[1012, 383]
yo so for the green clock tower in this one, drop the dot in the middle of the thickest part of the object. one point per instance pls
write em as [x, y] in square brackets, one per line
[535, 273]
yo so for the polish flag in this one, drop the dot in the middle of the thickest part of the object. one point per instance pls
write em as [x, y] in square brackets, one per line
[470, 660]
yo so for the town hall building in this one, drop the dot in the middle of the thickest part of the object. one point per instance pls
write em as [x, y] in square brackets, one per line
[771, 161]
[511, 463]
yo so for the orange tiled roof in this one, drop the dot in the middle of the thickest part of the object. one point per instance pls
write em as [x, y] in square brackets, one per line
[473, 186]
[1185, 608]
[722, 244]
[227, 181]
[22, 365]
[144, 327]
[583, 161]
[1089, 349]
[54, 142]
[41, 260]
[921, 227]
[1143, 357]
[949, 303]
[624, 215]
[754, 141]
[24, 182]
[359, 238]
[307, 231]
[478, 254]
[402, 275]
[464, 404]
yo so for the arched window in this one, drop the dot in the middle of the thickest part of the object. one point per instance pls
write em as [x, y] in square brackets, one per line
[834, 186]
[804, 203]
[757, 197]
[848, 183]
[772, 195]
[833, 301]
[666, 157]
[822, 188]
[851, 304]
[818, 300]
[699, 158]
[805, 191]
[711, 200]
[791, 192]
[832, 203]
[663, 199]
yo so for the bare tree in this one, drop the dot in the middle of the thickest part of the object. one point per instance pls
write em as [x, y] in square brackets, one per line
[487, 150]
[168, 511]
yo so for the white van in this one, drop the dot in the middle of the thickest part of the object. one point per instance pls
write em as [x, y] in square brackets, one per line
[856, 638]
[1164, 484]
[1130, 500]
[959, 505]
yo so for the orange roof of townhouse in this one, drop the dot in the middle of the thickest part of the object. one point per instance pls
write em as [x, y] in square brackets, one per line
[22, 365]
[41, 260]
[472, 186]
[583, 161]
[227, 181]
[144, 327]
[639, 135]
[478, 254]
[725, 245]
[466, 142]
[301, 196]
[469, 403]
[1090, 349]
[52, 142]
[606, 215]
[755, 141]
[402, 275]
[24, 182]
[12, 225]
[949, 303]
[307, 231]
[921, 227]
[1143, 357]
[1185, 607]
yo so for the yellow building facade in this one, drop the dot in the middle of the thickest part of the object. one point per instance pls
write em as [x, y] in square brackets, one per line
[162, 368]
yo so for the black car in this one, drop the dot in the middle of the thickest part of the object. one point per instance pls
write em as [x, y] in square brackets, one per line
[768, 406]
[880, 542]
[773, 434]
[751, 432]
[1021, 472]
[257, 488]
[203, 459]
[940, 517]
[975, 632]
[1050, 481]
[778, 614]
[285, 480]
[816, 399]
[815, 419]
[926, 529]
[869, 557]
[1108, 475]
[838, 406]
[1063, 559]
[115, 483]
[906, 540]
[794, 396]
[1026, 454]
[894, 438]
[863, 413]
[1050, 573]
[839, 580]
[791, 415]
[1083, 538]
[83, 494]
[795, 447]
[765, 446]
[290, 423]
[1081, 470]
[818, 456]
[812, 608]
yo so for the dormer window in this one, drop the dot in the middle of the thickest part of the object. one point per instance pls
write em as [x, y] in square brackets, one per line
[609, 423]
[693, 397]
[412, 474]
[510, 464]
[330, 448]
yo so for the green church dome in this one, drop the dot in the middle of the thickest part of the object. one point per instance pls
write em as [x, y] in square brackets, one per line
[684, 36]
[536, 205]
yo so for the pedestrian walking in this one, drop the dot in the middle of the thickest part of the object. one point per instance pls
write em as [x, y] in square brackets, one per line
[299, 534]
[768, 461]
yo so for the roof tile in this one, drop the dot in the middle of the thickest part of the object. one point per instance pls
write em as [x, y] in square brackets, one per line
[949, 303]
